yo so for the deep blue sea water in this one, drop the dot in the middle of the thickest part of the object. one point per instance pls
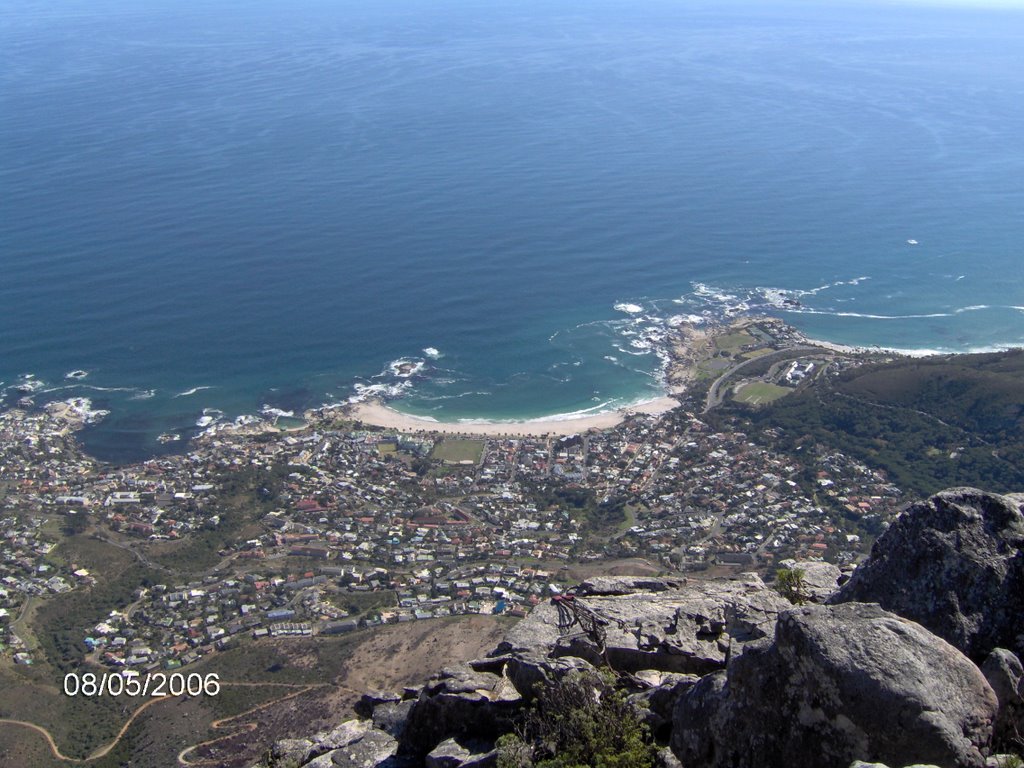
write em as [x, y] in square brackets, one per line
[278, 200]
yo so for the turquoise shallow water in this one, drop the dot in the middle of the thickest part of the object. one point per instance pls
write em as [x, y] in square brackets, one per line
[277, 202]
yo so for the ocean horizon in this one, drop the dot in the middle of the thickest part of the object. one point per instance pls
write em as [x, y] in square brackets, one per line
[487, 211]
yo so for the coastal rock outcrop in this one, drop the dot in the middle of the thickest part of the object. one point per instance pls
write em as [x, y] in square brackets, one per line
[839, 683]
[955, 564]
[652, 625]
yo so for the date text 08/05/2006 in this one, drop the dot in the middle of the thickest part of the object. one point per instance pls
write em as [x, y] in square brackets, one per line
[133, 684]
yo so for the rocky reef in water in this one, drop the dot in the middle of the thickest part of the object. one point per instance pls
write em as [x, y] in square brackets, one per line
[913, 660]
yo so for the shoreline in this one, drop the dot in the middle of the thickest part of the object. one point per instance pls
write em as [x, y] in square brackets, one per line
[910, 352]
[683, 353]
[679, 373]
[378, 414]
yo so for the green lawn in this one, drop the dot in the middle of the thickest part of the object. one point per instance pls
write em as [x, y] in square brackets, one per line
[733, 341]
[455, 450]
[759, 392]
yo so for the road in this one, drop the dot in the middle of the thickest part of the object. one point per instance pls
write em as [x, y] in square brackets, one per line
[716, 393]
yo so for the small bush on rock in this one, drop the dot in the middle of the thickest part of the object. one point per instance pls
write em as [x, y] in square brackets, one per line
[790, 583]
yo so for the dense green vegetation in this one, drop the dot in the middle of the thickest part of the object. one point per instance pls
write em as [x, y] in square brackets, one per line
[62, 622]
[59, 626]
[598, 518]
[581, 721]
[930, 423]
[247, 494]
[79, 725]
[362, 604]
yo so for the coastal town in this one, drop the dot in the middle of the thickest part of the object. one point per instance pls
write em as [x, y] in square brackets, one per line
[342, 525]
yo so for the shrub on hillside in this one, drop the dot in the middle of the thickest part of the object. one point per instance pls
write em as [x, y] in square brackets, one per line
[582, 721]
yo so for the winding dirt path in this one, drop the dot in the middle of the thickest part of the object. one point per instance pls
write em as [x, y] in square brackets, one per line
[224, 722]
[182, 756]
[99, 752]
[46, 735]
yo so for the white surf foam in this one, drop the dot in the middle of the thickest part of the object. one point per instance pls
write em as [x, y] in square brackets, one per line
[631, 309]
[210, 416]
[869, 316]
[364, 392]
[276, 413]
[27, 383]
[189, 392]
[82, 408]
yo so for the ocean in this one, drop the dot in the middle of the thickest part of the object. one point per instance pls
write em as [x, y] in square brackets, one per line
[486, 209]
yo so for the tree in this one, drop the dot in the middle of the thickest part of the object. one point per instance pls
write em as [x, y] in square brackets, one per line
[790, 583]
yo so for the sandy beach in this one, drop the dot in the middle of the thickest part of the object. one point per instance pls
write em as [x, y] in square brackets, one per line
[686, 349]
[380, 415]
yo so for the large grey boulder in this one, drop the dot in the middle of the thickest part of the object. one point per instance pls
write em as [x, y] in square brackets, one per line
[527, 672]
[467, 753]
[657, 703]
[838, 684]
[955, 564]
[375, 749]
[624, 585]
[391, 717]
[290, 753]
[1005, 674]
[460, 703]
[690, 629]
[353, 744]
[370, 700]
[537, 633]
